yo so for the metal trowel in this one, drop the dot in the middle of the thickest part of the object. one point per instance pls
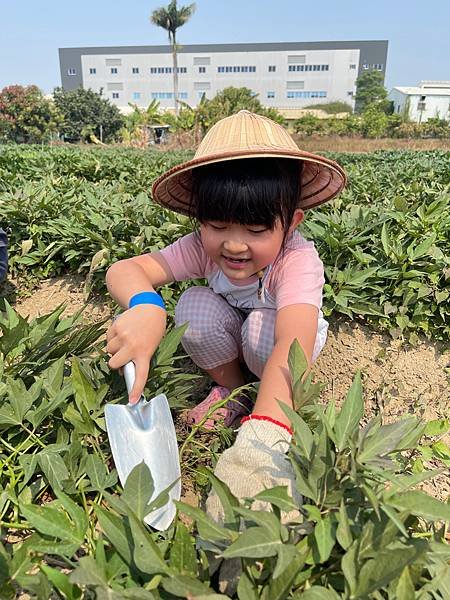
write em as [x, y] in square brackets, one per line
[145, 432]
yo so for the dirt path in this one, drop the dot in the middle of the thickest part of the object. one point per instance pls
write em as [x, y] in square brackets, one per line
[397, 380]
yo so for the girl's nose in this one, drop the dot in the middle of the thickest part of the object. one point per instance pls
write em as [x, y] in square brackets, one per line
[235, 246]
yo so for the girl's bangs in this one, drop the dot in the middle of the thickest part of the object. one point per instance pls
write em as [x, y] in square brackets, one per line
[247, 191]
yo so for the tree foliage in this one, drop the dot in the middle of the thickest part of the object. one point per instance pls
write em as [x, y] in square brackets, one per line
[84, 111]
[374, 122]
[232, 99]
[370, 90]
[26, 116]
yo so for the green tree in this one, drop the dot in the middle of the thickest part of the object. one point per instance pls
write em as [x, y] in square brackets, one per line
[374, 122]
[370, 90]
[88, 112]
[436, 127]
[26, 116]
[231, 100]
[309, 124]
[171, 19]
[139, 118]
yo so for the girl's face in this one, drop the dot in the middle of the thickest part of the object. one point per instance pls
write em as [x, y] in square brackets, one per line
[240, 251]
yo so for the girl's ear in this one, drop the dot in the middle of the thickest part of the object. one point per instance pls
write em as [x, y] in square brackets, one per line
[298, 217]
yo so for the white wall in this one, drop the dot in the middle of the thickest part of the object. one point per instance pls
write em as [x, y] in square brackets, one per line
[435, 105]
[338, 82]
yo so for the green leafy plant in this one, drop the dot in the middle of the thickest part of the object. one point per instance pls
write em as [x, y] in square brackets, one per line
[385, 241]
[363, 529]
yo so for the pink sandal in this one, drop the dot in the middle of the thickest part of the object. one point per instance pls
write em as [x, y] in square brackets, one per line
[233, 411]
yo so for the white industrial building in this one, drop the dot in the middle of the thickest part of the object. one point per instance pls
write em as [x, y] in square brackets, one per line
[428, 100]
[284, 75]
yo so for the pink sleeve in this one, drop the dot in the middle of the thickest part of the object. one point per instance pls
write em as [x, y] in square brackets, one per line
[187, 259]
[300, 278]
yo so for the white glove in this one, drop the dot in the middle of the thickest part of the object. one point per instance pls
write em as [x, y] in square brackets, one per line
[256, 461]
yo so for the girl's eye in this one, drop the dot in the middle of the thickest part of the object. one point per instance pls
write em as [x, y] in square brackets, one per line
[220, 227]
[257, 230]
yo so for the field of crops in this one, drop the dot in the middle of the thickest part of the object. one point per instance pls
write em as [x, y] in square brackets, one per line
[69, 531]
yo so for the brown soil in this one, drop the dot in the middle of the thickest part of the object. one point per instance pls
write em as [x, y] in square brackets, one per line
[330, 143]
[350, 144]
[397, 379]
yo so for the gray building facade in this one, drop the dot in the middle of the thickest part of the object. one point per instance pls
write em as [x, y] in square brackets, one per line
[284, 75]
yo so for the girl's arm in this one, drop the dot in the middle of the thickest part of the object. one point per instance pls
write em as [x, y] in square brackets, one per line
[297, 321]
[138, 332]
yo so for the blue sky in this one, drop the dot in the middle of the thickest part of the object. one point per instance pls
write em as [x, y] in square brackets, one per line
[31, 32]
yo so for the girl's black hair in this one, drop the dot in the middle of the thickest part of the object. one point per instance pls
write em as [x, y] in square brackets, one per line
[248, 191]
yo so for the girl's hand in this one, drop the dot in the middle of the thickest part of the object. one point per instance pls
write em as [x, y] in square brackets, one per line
[135, 336]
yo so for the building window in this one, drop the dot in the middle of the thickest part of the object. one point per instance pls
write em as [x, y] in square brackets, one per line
[293, 68]
[71, 71]
[168, 95]
[92, 71]
[115, 95]
[295, 85]
[377, 67]
[237, 69]
[365, 66]
[202, 69]
[162, 95]
[350, 94]
[352, 66]
[271, 94]
[113, 70]
[202, 85]
[202, 60]
[135, 70]
[161, 70]
[291, 95]
[272, 68]
[295, 59]
[136, 95]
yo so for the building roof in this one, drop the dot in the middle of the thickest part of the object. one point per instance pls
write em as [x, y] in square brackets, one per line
[239, 47]
[425, 90]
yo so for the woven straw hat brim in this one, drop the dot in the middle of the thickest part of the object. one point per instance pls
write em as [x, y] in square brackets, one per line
[321, 180]
[248, 135]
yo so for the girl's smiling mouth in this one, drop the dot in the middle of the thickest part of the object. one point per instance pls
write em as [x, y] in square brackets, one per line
[235, 262]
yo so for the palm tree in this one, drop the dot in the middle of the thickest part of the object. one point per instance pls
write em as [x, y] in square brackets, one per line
[170, 19]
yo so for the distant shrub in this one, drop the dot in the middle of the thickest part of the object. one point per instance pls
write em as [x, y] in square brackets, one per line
[332, 108]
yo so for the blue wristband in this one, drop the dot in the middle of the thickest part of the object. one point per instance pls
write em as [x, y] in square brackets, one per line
[146, 298]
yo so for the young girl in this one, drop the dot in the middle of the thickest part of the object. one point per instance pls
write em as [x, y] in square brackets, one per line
[247, 188]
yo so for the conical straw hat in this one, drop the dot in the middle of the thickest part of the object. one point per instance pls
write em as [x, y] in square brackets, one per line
[247, 135]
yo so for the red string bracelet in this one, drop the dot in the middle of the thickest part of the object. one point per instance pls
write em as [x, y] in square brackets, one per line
[269, 419]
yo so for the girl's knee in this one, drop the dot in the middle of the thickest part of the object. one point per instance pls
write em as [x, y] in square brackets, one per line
[207, 314]
[192, 305]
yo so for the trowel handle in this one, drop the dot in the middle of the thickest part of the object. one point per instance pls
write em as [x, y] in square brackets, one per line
[129, 372]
